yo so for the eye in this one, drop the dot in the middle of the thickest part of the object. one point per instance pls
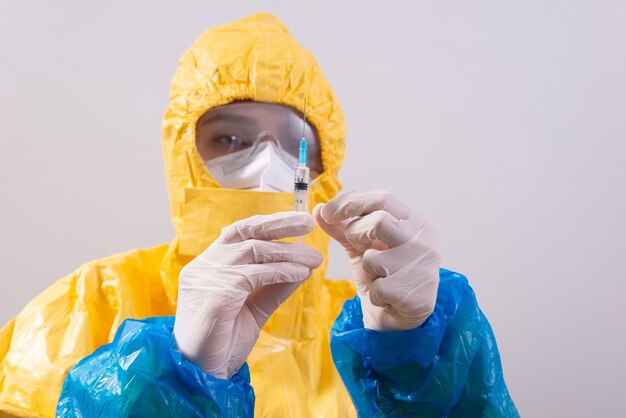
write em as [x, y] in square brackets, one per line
[229, 140]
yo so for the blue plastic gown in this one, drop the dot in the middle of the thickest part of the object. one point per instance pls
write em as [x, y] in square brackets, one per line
[448, 367]
[141, 373]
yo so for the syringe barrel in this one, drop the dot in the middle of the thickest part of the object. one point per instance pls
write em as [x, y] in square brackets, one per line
[301, 189]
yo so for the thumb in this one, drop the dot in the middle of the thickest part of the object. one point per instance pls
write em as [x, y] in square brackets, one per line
[337, 231]
[263, 301]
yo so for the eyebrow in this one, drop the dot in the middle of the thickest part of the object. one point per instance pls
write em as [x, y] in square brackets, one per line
[226, 117]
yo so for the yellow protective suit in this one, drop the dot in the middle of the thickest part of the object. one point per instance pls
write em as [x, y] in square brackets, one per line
[291, 368]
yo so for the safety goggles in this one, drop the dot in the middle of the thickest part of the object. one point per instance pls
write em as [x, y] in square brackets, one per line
[241, 127]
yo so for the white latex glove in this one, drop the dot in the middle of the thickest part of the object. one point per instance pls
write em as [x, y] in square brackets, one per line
[392, 256]
[227, 293]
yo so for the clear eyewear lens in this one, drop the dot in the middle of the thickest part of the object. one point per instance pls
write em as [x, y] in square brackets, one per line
[249, 153]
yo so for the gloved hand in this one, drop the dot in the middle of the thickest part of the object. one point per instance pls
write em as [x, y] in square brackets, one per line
[227, 293]
[392, 256]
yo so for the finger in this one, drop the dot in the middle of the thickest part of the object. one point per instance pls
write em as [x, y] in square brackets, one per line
[255, 251]
[267, 227]
[385, 263]
[266, 299]
[409, 288]
[336, 231]
[359, 203]
[249, 277]
[378, 225]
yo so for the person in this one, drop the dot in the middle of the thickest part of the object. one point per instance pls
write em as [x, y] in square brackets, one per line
[235, 317]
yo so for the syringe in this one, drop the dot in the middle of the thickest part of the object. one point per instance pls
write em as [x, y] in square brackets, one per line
[301, 181]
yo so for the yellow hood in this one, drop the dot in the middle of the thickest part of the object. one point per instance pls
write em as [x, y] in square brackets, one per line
[254, 58]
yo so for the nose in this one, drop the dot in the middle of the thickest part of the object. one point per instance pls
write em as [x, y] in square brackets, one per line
[267, 136]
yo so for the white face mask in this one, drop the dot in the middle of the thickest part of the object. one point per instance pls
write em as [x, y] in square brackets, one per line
[268, 170]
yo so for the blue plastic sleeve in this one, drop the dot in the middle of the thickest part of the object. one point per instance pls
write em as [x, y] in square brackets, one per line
[142, 373]
[447, 367]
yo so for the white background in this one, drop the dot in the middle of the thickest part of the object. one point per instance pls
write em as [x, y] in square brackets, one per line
[503, 122]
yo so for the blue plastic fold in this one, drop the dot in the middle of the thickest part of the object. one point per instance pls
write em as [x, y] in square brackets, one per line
[448, 367]
[142, 373]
